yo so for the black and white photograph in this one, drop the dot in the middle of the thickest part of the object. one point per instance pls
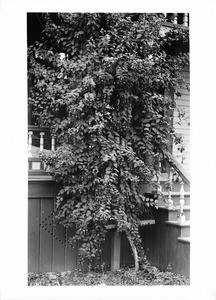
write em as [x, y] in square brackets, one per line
[107, 131]
[108, 142]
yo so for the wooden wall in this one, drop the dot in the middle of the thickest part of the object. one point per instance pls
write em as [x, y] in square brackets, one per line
[162, 247]
[48, 248]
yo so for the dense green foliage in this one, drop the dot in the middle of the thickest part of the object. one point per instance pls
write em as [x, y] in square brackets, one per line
[109, 103]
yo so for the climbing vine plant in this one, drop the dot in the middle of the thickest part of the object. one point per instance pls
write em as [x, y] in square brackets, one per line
[102, 82]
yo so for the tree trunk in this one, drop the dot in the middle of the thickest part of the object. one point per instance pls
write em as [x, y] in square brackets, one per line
[135, 253]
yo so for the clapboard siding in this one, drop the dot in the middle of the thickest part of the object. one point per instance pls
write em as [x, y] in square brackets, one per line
[183, 106]
[184, 101]
[181, 128]
[184, 127]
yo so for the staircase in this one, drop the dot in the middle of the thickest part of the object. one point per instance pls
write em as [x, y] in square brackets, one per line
[176, 228]
[166, 238]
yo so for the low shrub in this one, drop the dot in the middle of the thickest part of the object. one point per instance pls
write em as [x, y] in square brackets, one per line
[126, 276]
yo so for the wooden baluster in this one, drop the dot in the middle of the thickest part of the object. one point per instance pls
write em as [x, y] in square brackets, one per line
[182, 202]
[175, 18]
[30, 133]
[53, 143]
[41, 141]
[185, 20]
[170, 201]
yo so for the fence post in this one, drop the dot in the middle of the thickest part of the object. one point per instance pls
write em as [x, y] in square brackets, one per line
[115, 250]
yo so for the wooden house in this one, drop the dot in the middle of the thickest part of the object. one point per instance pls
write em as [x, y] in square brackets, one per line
[166, 238]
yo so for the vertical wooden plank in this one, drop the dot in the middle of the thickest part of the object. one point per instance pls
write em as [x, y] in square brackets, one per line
[65, 248]
[155, 239]
[122, 257]
[163, 243]
[33, 235]
[115, 250]
[147, 242]
[106, 251]
[46, 229]
[172, 244]
[126, 252]
[71, 253]
[59, 248]
[183, 259]
[58, 256]
[151, 250]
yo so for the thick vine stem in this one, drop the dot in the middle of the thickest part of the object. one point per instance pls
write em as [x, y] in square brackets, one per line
[135, 253]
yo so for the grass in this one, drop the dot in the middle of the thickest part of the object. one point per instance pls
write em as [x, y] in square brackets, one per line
[126, 276]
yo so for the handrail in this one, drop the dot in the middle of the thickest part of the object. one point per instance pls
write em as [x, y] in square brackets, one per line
[178, 167]
[42, 129]
[184, 178]
[38, 128]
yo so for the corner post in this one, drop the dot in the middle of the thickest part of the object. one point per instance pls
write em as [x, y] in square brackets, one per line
[115, 250]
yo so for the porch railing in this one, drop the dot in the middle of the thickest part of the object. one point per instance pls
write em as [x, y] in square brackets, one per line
[175, 168]
[39, 139]
[177, 19]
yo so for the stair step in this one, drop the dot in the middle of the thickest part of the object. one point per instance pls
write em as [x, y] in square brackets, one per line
[184, 227]
[37, 172]
[185, 239]
[175, 207]
[175, 198]
[177, 224]
[174, 210]
[40, 177]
